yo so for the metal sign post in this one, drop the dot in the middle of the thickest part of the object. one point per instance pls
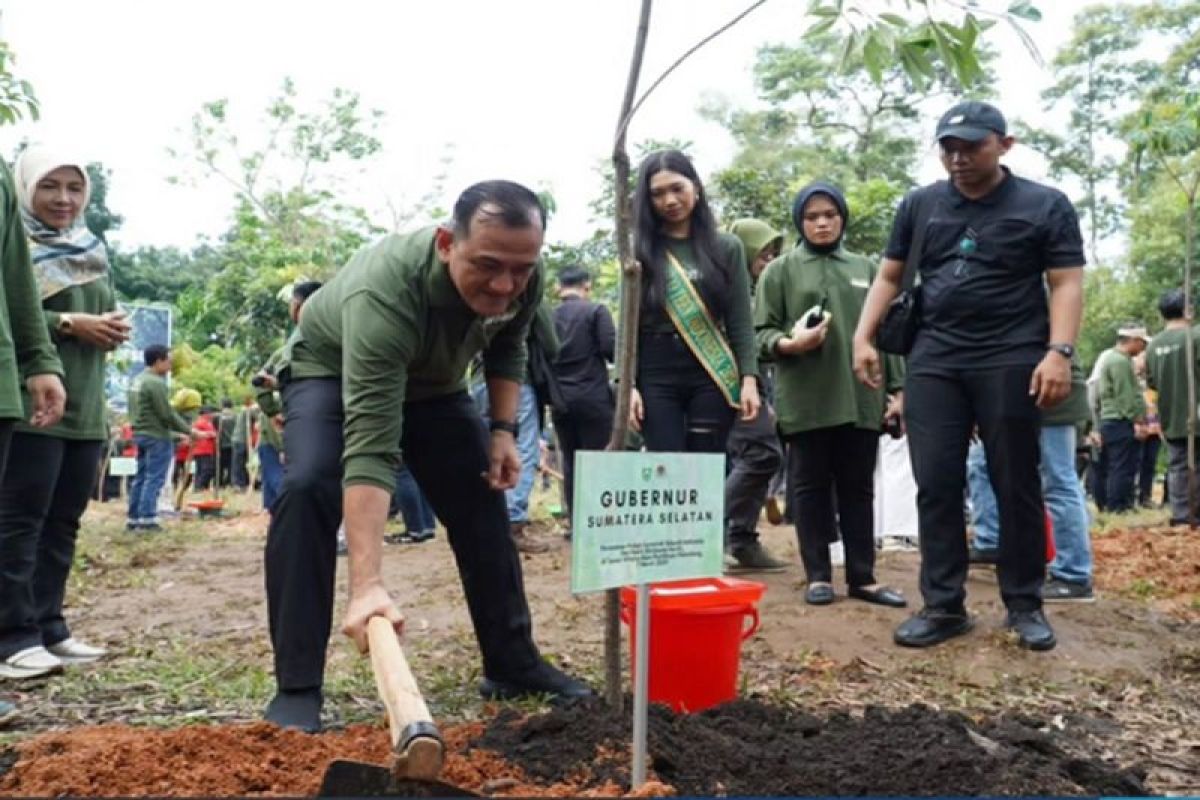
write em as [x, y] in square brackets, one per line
[641, 518]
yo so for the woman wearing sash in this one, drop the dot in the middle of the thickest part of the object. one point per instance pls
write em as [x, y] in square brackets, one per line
[52, 470]
[807, 305]
[697, 361]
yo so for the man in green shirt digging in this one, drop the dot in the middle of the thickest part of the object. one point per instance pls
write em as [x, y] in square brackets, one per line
[377, 368]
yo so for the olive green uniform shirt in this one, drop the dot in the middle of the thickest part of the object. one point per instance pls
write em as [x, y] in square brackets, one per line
[270, 404]
[83, 364]
[1074, 409]
[1120, 396]
[393, 327]
[150, 410]
[25, 348]
[1166, 372]
[818, 389]
[738, 322]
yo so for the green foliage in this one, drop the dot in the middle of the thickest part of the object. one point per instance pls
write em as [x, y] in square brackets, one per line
[881, 36]
[290, 223]
[99, 217]
[213, 372]
[827, 117]
[1096, 73]
[161, 274]
[1113, 297]
[17, 98]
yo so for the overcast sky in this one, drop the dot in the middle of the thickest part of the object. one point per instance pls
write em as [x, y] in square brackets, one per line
[525, 89]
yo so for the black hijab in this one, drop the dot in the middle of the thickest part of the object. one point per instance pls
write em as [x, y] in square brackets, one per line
[839, 200]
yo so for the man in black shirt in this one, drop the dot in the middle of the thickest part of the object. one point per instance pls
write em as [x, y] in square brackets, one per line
[588, 339]
[991, 349]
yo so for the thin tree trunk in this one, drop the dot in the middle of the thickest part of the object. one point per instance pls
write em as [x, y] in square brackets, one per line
[1190, 356]
[631, 296]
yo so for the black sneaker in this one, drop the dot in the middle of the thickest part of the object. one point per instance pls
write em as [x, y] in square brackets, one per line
[299, 709]
[542, 679]
[1056, 590]
[1032, 629]
[983, 555]
[930, 626]
[753, 557]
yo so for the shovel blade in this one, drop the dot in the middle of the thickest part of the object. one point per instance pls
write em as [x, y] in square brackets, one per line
[357, 779]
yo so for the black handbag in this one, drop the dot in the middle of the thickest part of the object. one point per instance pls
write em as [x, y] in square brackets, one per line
[898, 329]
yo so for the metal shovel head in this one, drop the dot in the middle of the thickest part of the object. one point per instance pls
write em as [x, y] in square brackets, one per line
[357, 779]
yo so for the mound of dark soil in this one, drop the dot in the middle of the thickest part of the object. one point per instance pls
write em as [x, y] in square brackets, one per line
[751, 748]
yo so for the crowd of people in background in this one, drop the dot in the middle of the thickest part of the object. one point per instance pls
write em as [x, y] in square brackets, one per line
[426, 378]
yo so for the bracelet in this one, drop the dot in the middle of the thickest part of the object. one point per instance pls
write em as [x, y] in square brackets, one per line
[503, 425]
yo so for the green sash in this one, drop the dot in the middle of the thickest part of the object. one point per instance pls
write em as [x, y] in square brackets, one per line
[695, 325]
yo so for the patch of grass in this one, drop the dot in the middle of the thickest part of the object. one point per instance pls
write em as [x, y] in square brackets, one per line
[1142, 588]
[1105, 522]
[160, 681]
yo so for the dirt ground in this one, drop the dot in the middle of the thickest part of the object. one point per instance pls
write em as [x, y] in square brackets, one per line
[1119, 692]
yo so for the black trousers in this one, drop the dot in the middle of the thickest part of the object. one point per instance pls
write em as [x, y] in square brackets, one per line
[237, 466]
[42, 498]
[446, 447]
[205, 472]
[941, 411]
[580, 429]
[754, 456]
[1121, 453]
[224, 478]
[824, 465]
[685, 412]
[6, 431]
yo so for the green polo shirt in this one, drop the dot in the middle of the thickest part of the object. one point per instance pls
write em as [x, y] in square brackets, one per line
[25, 348]
[1166, 372]
[393, 327]
[150, 410]
[1120, 396]
[83, 364]
[818, 389]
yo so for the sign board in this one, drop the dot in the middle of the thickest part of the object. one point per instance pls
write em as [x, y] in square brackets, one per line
[122, 466]
[150, 325]
[646, 517]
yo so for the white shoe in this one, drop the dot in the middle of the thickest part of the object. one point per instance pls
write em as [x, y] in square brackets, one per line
[73, 651]
[30, 663]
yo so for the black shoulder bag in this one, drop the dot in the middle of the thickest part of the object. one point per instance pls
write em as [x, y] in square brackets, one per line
[898, 329]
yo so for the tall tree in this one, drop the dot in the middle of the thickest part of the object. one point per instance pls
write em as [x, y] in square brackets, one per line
[290, 220]
[1166, 135]
[1097, 77]
[829, 115]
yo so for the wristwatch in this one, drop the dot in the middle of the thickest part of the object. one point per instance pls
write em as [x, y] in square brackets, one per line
[1067, 351]
[65, 323]
[503, 425]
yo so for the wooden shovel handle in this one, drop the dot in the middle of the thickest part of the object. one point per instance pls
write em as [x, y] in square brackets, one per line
[416, 742]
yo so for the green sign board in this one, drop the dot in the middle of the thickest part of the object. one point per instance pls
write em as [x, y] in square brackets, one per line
[646, 517]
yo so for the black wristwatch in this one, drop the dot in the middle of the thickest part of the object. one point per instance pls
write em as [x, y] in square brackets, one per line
[503, 425]
[1067, 351]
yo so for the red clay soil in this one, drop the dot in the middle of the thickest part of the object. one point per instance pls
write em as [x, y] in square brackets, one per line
[1162, 564]
[742, 748]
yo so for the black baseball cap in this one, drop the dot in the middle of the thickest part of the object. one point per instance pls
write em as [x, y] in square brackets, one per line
[972, 121]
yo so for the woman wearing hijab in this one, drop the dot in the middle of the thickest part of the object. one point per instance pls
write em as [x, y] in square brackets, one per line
[42, 501]
[697, 363]
[807, 305]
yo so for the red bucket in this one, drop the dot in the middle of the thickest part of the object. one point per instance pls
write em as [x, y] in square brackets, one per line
[1051, 551]
[696, 632]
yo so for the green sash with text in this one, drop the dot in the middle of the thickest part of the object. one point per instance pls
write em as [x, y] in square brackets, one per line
[700, 333]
